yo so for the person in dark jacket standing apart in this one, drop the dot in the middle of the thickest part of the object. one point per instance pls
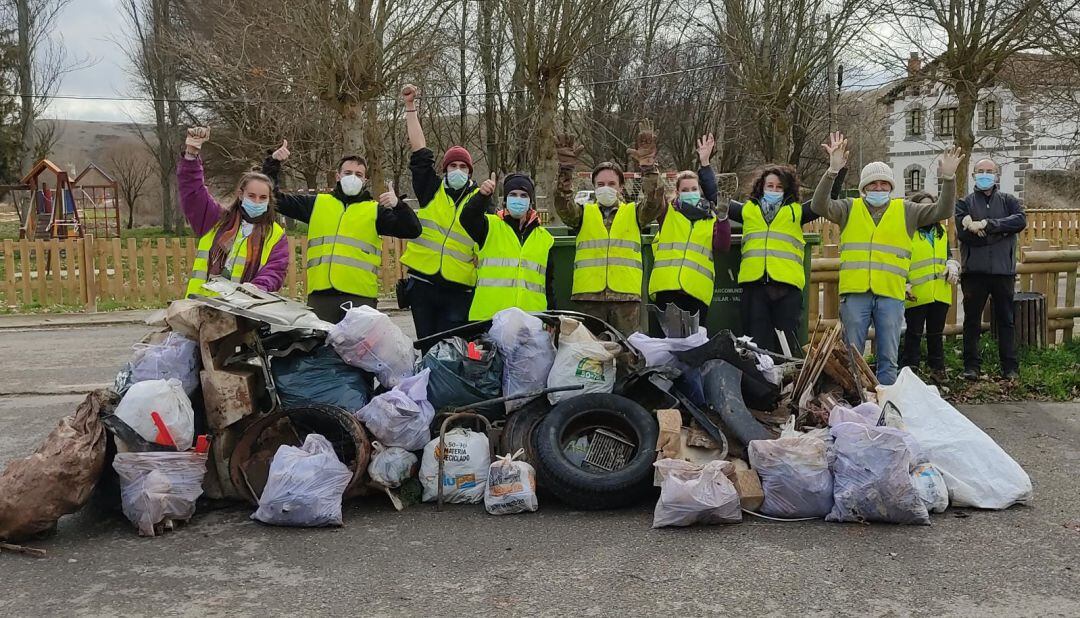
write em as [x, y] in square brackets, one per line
[344, 233]
[442, 261]
[988, 221]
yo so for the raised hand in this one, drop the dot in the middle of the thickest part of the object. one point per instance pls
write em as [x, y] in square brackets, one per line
[568, 152]
[408, 94]
[488, 186]
[837, 149]
[389, 198]
[705, 146]
[645, 153]
[282, 153]
[950, 160]
[196, 137]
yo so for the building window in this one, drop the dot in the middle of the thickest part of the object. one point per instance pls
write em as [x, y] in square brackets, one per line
[915, 122]
[946, 122]
[914, 177]
[990, 116]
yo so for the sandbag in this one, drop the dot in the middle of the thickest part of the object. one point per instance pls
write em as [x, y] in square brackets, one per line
[458, 379]
[401, 416]
[693, 494]
[177, 357]
[369, 339]
[658, 350]
[305, 486]
[159, 486]
[794, 475]
[872, 476]
[527, 353]
[465, 469]
[58, 477]
[582, 359]
[977, 472]
[168, 399]
[391, 466]
[319, 377]
[511, 486]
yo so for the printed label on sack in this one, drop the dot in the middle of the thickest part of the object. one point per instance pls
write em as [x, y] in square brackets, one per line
[503, 480]
[461, 481]
[455, 451]
[590, 369]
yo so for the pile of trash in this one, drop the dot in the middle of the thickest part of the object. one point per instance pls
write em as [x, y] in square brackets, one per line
[249, 397]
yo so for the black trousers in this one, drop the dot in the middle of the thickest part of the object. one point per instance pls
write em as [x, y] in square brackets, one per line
[999, 289]
[437, 308]
[768, 307]
[327, 304]
[929, 319]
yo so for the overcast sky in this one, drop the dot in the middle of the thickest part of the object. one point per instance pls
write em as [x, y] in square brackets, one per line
[89, 28]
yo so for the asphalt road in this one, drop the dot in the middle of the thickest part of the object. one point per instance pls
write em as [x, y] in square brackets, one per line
[1024, 561]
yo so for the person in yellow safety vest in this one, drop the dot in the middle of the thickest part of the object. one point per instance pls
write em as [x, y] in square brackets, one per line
[345, 230]
[691, 231]
[515, 267]
[608, 277]
[875, 247]
[930, 290]
[442, 261]
[240, 242]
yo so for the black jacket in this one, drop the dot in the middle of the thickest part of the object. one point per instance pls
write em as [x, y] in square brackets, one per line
[995, 253]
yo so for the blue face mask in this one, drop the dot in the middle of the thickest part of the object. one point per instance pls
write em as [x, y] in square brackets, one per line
[984, 181]
[456, 179]
[877, 198]
[689, 198]
[254, 210]
[772, 198]
[517, 206]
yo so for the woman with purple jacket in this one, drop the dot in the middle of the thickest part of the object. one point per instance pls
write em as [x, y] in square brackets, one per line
[240, 242]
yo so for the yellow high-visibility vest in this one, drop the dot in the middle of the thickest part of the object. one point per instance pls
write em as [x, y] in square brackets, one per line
[443, 247]
[775, 248]
[200, 267]
[344, 249]
[875, 258]
[683, 257]
[509, 273]
[608, 259]
[927, 273]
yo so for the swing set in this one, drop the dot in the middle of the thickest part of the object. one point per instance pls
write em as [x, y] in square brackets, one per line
[51, 205]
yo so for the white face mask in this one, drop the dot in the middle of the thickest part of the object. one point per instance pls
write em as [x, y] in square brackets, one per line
[351, 184]
[607, 196]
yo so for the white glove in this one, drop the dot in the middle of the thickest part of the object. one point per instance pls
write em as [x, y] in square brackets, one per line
[196, 137]
[907, 293]
[952, 272]
[979, 226]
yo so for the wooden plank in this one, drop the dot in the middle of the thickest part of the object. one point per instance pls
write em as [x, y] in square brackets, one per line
[162, 268]
[70, 281]
[118, 289]
[1070, 299]
[10, 289]
[149, 293]
[89, 274]
[24, 259]
[177, 258]
[831, 302]
[42, 283]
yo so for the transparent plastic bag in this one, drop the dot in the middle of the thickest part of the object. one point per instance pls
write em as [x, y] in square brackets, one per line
[158, 486]
[305, 486]
[931, 487]
[175, 358]
[872, 476]
[168, 399]
[693, 494]
[391, 466]
[511, 486]
[527, 353]
[369, 339]
[794, 475]
[401, 416]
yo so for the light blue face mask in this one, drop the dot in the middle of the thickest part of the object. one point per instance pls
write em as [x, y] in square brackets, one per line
[517, 205]
[984, 181]
[772, 198]
[689, 198]
[254, 210]
[456, 179]
[877, 198]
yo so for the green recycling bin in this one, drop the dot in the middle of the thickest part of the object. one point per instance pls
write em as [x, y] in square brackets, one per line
[724, 313]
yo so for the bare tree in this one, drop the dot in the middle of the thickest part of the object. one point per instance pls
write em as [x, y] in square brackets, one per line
[133, 168]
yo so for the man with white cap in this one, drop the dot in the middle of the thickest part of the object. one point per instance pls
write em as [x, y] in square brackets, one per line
[875, 247]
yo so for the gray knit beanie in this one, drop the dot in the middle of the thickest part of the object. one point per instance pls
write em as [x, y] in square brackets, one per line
[876, 170]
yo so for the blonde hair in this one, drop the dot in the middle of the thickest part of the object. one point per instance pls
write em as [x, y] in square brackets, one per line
[684, 175]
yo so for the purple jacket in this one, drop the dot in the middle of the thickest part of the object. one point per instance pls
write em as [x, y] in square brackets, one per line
[203, 212]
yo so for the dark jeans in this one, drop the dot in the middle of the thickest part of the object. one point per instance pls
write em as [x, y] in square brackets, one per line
[999, 289]
[437, 308]
[768, 307]
[928, 318]
[327, 304]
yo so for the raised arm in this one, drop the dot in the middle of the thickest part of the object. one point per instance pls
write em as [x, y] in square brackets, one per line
[474, 214]
[412, 118]
[928, 214]
[706, 176]
[823, 204]
[644, 154]
[200, 208]
[292, 205]
[568, 153]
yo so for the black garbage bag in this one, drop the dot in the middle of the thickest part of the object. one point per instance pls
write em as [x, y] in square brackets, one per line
[458, 380]
[320, 377]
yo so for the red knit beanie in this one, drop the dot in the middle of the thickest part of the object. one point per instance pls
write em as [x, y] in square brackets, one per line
[457, 153]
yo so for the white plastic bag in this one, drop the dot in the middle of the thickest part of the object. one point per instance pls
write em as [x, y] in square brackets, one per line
[168, 399]
[155, 486]
[527, 352]
[581, 359]
[930, 486]
[370, 340]
[402, 416]
[693, 494]
[511, 486]
[977, 471]
[872, 476]
[305, 486]
[177, 357]
[465, 470]
[657, 350]
[794, 475]
[391, 466]
[865, 414]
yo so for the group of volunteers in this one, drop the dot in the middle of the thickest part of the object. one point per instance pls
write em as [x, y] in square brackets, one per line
[470, 255]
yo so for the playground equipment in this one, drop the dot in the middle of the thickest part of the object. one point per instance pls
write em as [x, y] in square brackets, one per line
[97, 202]
[52, 205]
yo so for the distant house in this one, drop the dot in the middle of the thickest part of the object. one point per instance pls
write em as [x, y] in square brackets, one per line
[1019, 127]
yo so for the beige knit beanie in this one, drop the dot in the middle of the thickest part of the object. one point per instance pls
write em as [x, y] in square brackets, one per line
[876, 170]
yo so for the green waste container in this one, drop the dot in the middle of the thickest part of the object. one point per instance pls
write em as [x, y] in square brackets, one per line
[724, 313]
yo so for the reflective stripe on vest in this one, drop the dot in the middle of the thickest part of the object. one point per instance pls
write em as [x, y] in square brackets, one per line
[775, 248]
[683, 257]
[344, 249]
[608, 259]
[443, 247]
[509, 273]
[927, 273]
[875, 258]
[200, 266]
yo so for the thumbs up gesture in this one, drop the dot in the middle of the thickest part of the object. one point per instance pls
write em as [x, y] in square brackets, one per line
[488, 186]
[282, 153]
[389, 199]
